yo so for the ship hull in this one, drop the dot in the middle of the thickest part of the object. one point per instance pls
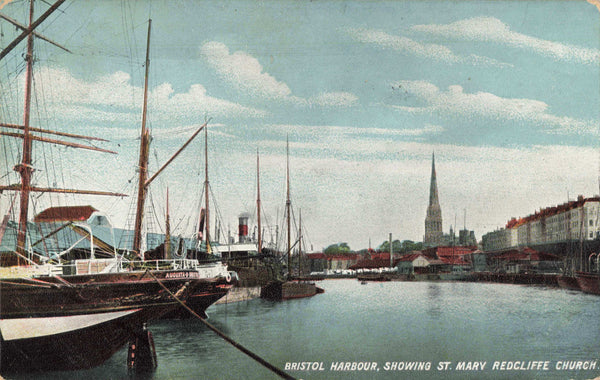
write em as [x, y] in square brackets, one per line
[285, 290]
[201, 299]
[589, 282]
[78, 322]
[568, 282]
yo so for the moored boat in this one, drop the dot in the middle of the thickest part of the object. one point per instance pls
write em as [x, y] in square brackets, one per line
[588, 282]
[76, 313]
[568, 282]
[53, 322]
[289, 288]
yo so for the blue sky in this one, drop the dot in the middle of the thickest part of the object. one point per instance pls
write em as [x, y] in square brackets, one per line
[505, 93]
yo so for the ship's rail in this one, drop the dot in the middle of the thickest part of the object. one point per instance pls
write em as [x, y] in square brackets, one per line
[117, 265]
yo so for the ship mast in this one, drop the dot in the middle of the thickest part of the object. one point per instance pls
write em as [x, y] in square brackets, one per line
[167, 252]
[24, 168]
[288, 204]
[206, 184]
[258, 202]
[300, 242]
[143, 161]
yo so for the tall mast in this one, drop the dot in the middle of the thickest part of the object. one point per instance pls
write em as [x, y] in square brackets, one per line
[288, 207]
[258, 202]
[24, 168]
[207, 215]
[167, 253]
[300, 242]
[143, 162]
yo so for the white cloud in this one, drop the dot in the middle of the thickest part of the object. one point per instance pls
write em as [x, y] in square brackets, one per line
[247, 75]
[113, 98]
[332, 131]
[490, 29]
[431, 51]
[243, 71]
[385, 185]
[483, 104]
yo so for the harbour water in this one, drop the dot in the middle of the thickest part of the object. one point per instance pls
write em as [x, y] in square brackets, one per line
[440, 330]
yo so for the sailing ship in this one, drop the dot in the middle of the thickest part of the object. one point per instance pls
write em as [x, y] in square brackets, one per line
[76, 315]
[254, 260]
[290, 287]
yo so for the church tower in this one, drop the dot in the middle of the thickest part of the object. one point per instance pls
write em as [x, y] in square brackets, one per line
[433, 220]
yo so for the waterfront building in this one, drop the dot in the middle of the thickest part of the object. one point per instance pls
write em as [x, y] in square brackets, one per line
[413, 263]
[525, 260]
[433, 220]
[320, 262]
[569, 223]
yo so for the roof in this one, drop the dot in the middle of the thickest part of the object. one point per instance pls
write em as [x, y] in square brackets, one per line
[549, 211]
[450, 251]
[453, 260]
[374, 263]
[65, 213]
[411, 257]
[527, 254]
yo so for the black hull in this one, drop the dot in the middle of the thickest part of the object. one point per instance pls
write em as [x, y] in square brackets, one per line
[78, 322]
[200, 300]
[81, 349]
[286, 290]
[589, 282]
[519, 278]
[568, 282]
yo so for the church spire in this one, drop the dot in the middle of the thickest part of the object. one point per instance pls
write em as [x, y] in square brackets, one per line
[433, 191]
[433, 220]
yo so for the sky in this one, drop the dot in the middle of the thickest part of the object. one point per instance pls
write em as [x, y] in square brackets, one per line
[505, 93]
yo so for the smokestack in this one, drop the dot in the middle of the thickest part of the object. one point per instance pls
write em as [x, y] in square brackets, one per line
[243, 227]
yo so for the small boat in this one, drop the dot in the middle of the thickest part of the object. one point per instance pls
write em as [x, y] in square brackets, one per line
[589, 282]
[568, 282]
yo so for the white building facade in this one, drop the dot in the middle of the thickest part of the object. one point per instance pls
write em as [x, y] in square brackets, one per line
[573, 221]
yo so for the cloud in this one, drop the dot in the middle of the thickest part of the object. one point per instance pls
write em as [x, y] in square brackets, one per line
[243, 71]
[323, 131]
[113, 98]
[431, 51]
[247, 75]
[455, 102]
[490, 29]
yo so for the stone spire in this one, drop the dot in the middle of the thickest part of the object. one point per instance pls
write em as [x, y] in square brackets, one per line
[433, 220]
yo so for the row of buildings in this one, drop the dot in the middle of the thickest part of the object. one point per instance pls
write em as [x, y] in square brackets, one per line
[573, 221]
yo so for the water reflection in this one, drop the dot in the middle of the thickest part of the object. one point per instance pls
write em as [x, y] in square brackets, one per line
[434, 301]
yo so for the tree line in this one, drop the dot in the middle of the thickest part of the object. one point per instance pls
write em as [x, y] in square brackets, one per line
[398, 246]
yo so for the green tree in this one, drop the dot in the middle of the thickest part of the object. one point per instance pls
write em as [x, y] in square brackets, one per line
[401, 247]
[337, 249]
[396, 246]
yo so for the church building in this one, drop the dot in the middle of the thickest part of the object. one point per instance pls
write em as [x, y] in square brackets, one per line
[433, 220]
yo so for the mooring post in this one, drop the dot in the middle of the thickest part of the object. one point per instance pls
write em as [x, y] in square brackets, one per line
[141, 355]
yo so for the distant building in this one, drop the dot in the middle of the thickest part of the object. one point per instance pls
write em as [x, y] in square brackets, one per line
[575, 221]
[433, 220]
[413, 263]
[320, 262]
